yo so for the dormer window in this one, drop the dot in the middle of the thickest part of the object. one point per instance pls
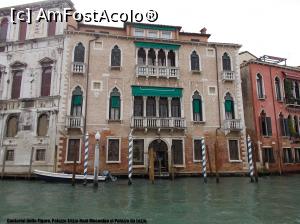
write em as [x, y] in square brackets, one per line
[139, 32]
[152, 34]
[166, 34]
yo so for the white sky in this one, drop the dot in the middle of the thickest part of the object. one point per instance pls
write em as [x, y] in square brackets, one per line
[261, 26]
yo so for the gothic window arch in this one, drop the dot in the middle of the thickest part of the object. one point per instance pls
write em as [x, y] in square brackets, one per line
[76, 104]
[141, 56]
[226, 61]
[171, 58]
[12, 126]
[197, 107]
[278, 89]
[116, 56]
[115, 104]
[260, 86]
[229, 107]
[3, 29]
[265, 124]
[79, 53]
[195, 61]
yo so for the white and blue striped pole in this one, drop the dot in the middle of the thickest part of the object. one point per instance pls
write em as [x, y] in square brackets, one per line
[204, 160]
[86, 156]
[250, 155]
[130, 157]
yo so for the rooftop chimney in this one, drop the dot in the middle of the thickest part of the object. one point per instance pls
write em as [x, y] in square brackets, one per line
[203, 30]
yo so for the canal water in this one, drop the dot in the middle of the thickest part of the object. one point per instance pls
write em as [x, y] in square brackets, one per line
[185, 200]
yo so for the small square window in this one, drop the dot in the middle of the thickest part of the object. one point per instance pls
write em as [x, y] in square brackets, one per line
[212, 90]
[166, 35]
[10, 155]
[98, 45]
[210, 52]
[97, 85]
[152, 34]
[139, 33]
[40, 154]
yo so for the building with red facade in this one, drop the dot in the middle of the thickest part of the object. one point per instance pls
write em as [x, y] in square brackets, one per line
[272, 112]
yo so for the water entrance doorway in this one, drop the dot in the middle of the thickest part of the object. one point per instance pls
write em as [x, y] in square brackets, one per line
[160, 154]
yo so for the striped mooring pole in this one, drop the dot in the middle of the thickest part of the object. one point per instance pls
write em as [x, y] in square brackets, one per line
[251, 167]
[204, 160]
[86, 156]
[130, 157]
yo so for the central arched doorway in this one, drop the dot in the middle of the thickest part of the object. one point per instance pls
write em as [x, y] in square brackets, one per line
[160, 149]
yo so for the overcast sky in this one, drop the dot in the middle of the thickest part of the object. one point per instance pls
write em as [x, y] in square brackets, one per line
[262, 26]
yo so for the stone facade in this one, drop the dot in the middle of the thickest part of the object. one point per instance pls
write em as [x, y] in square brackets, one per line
[98, 79]
[30, 57]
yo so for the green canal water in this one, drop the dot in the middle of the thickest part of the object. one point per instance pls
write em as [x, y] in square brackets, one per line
[185, 200]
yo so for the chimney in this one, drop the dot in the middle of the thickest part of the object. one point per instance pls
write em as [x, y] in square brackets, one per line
[203, 30]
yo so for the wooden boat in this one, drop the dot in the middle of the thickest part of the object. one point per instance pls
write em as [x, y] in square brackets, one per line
[63, 177]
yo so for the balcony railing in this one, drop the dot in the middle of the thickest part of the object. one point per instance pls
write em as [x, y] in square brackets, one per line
[228, 76]
[233, 125]
[78, 67]
[157, 71]
[157, 122]
[74, 122]
[294, 102]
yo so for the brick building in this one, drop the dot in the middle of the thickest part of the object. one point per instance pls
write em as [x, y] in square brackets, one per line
[170, 87]
[271, 102]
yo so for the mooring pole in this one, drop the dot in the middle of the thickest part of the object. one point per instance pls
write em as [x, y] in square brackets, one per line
[55, 159]
[172, 163]
[151, 165]
[216, 161]
[86, 156]
[30, 163]
[96, 159]
[130, 157]
[3, 162]
[204, 160]
[74, 165]
[208, 158]
[255, 163]
[250, 159]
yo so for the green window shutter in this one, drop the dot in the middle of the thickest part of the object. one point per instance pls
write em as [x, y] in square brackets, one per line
[77, 100]
[228, 106]
[156, 45]
[156, 91]
[197, 106]
[115, 102]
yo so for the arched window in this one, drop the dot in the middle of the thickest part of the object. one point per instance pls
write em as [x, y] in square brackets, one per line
[141, 56]
[278, 89]
[151, 57]
[171, 58]
[116, 56]
[161, 58]
[284, 125]
[260, 87]
[297, 93]
[175, 107]
[151, 107]
[197, 107]
[265, 124]
[115, 105]
[163, 107]
[79, 52]
[12, 127]
[76, 107]
[138, 106]
[46, 81]
[43, 124]
[229, 107]
[226, 62]
[23, 29]
[195, 65]
[3, 29]
[51, 27]
[16, 84]
[296, 125]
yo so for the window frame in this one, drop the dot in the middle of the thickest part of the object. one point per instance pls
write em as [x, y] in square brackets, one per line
[144, 154]
[280, 89]
[79, 150]
[115, 67]
[199, 62]
[6, 156]
[36, 152]
[38, 122]
[183, 152]
[239, 160]
[152, 31]
[194, 160]
[297, 160]
[263, 97]
[202, 107]
[262, 154]
[137, 30]
[285, 158]
[165, 31]
[107, 144]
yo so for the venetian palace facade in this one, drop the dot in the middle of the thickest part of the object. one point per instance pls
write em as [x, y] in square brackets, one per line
[171, 88]
[271, 102]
